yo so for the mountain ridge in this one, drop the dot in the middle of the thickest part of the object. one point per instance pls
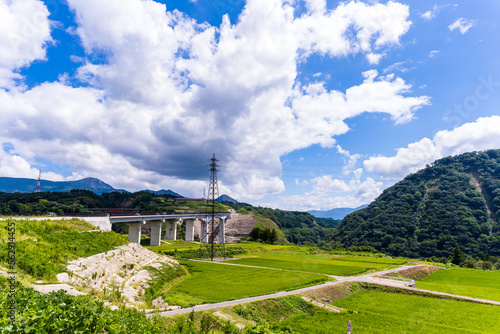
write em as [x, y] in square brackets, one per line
[25, 185]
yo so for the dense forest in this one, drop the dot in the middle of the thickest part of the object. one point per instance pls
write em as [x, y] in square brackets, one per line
[455, 201]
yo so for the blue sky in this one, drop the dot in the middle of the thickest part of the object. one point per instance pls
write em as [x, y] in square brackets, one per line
[308, 104]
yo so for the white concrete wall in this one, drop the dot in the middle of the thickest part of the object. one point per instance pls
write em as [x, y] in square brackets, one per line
[102, 223]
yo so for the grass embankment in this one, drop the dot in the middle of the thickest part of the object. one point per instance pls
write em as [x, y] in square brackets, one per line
[215, 282]
[472, 283]
[342, 266]
[266, 223]
[44, 247]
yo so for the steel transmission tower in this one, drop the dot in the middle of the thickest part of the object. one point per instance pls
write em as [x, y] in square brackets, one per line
[212, 248]
[38, 182]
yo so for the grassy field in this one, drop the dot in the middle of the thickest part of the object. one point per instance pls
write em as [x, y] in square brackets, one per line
[249, 246]
[219, 282]
[472, 283]
[382, 312]
[342, 266]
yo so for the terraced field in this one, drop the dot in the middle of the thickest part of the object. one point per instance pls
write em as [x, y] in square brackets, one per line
[330, 265]
[472, 283]
[382, 312]
[219, 282]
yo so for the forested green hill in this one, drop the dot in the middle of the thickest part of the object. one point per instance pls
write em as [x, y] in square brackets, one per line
[456, 201]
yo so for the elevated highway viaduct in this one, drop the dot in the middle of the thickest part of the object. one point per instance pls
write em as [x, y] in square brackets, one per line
[171, 221]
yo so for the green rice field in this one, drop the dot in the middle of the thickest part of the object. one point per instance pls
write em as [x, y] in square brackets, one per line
[181, 245]
[218, 282]
[330, 265]
[382, 312]
[472, 283]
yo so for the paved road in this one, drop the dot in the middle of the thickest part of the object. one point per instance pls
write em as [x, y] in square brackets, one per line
[368, 278]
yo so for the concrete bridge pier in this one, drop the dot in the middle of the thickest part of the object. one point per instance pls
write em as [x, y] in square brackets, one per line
[222, 231]
[134, 231]
[171, 229]
[156, 232]
[190, 229]
[204, 231]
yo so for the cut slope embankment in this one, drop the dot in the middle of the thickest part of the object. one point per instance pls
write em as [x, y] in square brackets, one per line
[123, 269]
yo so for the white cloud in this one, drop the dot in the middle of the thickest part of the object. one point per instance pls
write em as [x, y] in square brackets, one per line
[433, 53]
[375, 26]
[329, 193]
[352, 159]
[462, 24]
[480, 135]
[316, 6]
[374, 58]
[24, 33]
[432, 13]
[171, 92]
[326, 184]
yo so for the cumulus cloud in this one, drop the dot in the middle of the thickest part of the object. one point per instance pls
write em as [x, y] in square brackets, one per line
[462, 24]
[374, 58]
[480, 135]
[171, 91]
[24, 34]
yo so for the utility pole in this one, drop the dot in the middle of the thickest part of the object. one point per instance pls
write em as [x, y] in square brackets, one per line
[211, 211]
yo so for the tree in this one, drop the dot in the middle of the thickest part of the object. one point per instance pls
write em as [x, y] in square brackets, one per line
[457, 257]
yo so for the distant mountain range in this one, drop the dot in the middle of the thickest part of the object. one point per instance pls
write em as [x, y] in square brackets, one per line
[338, 213]
[11, 184]
[226, 198]
[164, 192]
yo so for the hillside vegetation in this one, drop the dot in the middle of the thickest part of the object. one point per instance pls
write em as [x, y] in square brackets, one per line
[44, 247]
[455, 201]
[294, 226]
